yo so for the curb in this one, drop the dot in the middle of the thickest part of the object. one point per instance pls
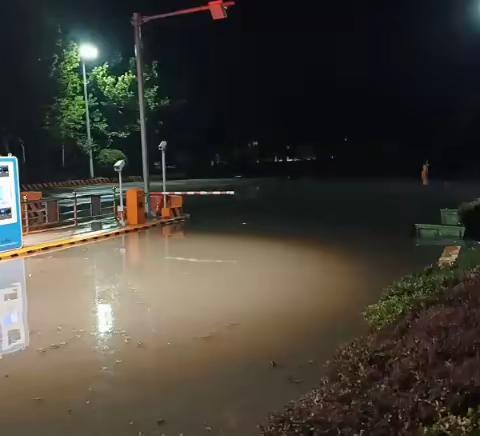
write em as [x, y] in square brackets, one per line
[80, 240]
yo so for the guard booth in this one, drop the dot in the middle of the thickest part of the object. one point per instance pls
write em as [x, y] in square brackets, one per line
[10, 206]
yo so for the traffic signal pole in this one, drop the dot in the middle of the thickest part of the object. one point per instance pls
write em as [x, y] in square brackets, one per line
[137, 26]
[218, 10]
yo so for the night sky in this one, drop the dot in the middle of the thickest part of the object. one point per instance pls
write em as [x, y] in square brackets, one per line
[404, 73]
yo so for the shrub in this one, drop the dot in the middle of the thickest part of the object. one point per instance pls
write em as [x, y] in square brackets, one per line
[450, 424]
[421, 375]
[107, 157]
[469, 214]
[409, 293]
[469, 259]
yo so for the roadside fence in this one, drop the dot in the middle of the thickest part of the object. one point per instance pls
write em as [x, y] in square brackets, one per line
[68, 210]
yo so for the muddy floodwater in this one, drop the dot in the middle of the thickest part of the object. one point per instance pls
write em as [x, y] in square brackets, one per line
[205, 328]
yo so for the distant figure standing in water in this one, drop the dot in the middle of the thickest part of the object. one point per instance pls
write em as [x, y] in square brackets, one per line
[425, 171]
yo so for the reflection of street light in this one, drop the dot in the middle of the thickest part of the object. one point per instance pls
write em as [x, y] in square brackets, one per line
[218, 10]
[88, 52]
[104, 318]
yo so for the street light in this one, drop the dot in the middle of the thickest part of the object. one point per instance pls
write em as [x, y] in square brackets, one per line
[218, 10]
[88, 52]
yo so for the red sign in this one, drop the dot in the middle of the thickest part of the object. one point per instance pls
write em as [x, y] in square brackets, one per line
[218, 10]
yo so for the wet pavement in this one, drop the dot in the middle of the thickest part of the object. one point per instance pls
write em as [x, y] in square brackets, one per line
[94, 227]
[202, 329]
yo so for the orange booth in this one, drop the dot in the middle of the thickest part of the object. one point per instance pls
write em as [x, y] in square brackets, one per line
[135, 207]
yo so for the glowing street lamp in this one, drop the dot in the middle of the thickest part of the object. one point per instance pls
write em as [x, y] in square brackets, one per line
[88, 52]
[218, 10]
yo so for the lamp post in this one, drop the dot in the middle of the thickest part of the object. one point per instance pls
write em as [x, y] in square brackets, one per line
[88, 52]
[218, 10]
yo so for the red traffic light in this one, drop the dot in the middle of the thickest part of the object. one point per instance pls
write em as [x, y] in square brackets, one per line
[218, 10]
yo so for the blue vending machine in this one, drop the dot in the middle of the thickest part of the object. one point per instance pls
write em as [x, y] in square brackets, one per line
[10, 207]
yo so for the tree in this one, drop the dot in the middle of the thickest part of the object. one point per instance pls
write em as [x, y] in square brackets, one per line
[118, 97]
[112, 100]
[65, 117]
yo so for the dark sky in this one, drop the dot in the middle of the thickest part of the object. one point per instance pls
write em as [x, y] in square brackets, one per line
[406, 72]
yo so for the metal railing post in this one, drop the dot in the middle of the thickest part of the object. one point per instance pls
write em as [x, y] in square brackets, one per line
[47, 220]
[27, 223]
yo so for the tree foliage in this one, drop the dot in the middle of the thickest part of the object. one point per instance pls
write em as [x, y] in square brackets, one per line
[118, 97]
[112, 100]
[65, 117]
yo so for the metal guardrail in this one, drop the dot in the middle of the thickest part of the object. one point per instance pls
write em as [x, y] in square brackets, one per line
[68, 210]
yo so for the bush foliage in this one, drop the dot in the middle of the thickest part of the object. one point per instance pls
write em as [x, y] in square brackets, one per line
[107, 157]
[419, 375]
[409, 293]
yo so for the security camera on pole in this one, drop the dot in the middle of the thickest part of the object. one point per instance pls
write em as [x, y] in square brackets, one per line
[165, 210]
[118, 167]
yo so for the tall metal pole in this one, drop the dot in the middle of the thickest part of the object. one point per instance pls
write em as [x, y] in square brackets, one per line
[120, 187]
[137, 25]
[122, 210]
[87, 116]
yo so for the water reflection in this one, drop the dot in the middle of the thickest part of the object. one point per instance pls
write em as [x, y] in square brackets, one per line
[14, 334]
[107, 283]
[105, 297]
[197, 260]
[104, 318]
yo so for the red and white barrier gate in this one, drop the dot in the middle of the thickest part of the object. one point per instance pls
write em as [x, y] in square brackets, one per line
[174, 207]
[199, 193]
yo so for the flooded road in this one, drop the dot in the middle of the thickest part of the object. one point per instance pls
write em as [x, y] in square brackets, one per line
[201, 329]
